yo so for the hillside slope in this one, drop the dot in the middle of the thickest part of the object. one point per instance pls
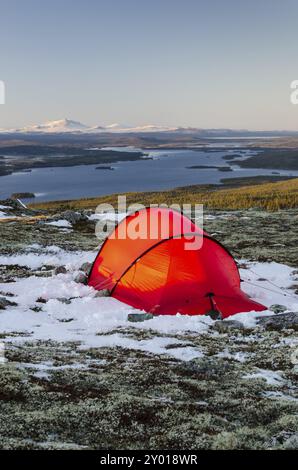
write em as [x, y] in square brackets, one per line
[267, 196]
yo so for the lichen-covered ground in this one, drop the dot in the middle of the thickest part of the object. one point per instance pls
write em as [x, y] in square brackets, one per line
[239, 391]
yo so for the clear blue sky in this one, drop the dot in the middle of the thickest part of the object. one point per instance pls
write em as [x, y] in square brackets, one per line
[211, 63]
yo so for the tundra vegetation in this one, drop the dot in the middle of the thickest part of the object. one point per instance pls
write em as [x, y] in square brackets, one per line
[235, 194]
[241, 393]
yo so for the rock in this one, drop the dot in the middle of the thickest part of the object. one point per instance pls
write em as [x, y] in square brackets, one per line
[36, 309]
[12, 203]
[14, 207]
[227, 326]
[60, 270]
[41, 300]
[6, 294]
[86, 268]
[291, 443]
[81, 278]
[103, 293]
[138, 317]
[277, 308]
[47, 268]
[283, 321]
[73, 217]
[279, 438]
[6, 303]
[64, 300]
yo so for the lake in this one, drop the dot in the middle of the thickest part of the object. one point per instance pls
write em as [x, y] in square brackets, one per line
[163, 170]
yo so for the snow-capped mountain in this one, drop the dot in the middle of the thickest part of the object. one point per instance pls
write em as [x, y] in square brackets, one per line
[147, 128]
[70, 126]
[61, 125]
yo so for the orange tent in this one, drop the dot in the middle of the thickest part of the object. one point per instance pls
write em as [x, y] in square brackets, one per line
[159, 261]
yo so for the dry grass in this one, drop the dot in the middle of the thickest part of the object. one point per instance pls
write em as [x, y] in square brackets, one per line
[24, 219]
[269, 196]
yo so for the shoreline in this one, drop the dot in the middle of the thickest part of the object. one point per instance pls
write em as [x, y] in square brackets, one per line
[13, 163]
[267, 192]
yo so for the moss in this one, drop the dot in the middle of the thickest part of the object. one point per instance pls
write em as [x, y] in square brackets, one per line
[13, 385]
[120, 398]
[243, 438]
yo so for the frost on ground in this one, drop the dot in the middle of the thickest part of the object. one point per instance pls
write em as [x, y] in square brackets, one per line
[78, 374]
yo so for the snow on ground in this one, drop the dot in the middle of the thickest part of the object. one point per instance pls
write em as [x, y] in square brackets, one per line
[87, 319]
[3, 215]
[60, 223]
[268, 283]
[271, 377]
[92, 320]
[44, 369]
[238, 356]
[111, 216]
[35, 257]
[279, 395]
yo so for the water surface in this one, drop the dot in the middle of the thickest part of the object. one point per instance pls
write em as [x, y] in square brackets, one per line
[165, 170]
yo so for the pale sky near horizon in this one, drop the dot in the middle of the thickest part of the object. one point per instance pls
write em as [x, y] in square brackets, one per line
[211, 63]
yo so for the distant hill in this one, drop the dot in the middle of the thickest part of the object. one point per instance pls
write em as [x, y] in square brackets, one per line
[69, 126]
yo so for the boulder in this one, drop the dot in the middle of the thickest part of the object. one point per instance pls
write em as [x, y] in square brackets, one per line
[6, 303]
[283, 321]
[277, 308]
[73, 217]
[291, 443]
[12, 203]
[103, 293]
[138, 317]
[86, 268]
[60, 270]
[64, 300]
[41, 300]
[81, 278]
[228, 326]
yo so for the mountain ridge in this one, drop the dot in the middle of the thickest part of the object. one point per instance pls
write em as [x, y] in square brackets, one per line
[70, 126]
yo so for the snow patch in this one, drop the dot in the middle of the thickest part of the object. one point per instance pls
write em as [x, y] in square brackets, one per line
[274, 395]
[60, 223]
[238, 356]
[3, 215]
[51, 256]
[271, 377]
[91, 321]
[115, 217]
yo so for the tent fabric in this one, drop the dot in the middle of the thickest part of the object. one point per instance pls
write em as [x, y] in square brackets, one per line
[159, 275]
[119, 250]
